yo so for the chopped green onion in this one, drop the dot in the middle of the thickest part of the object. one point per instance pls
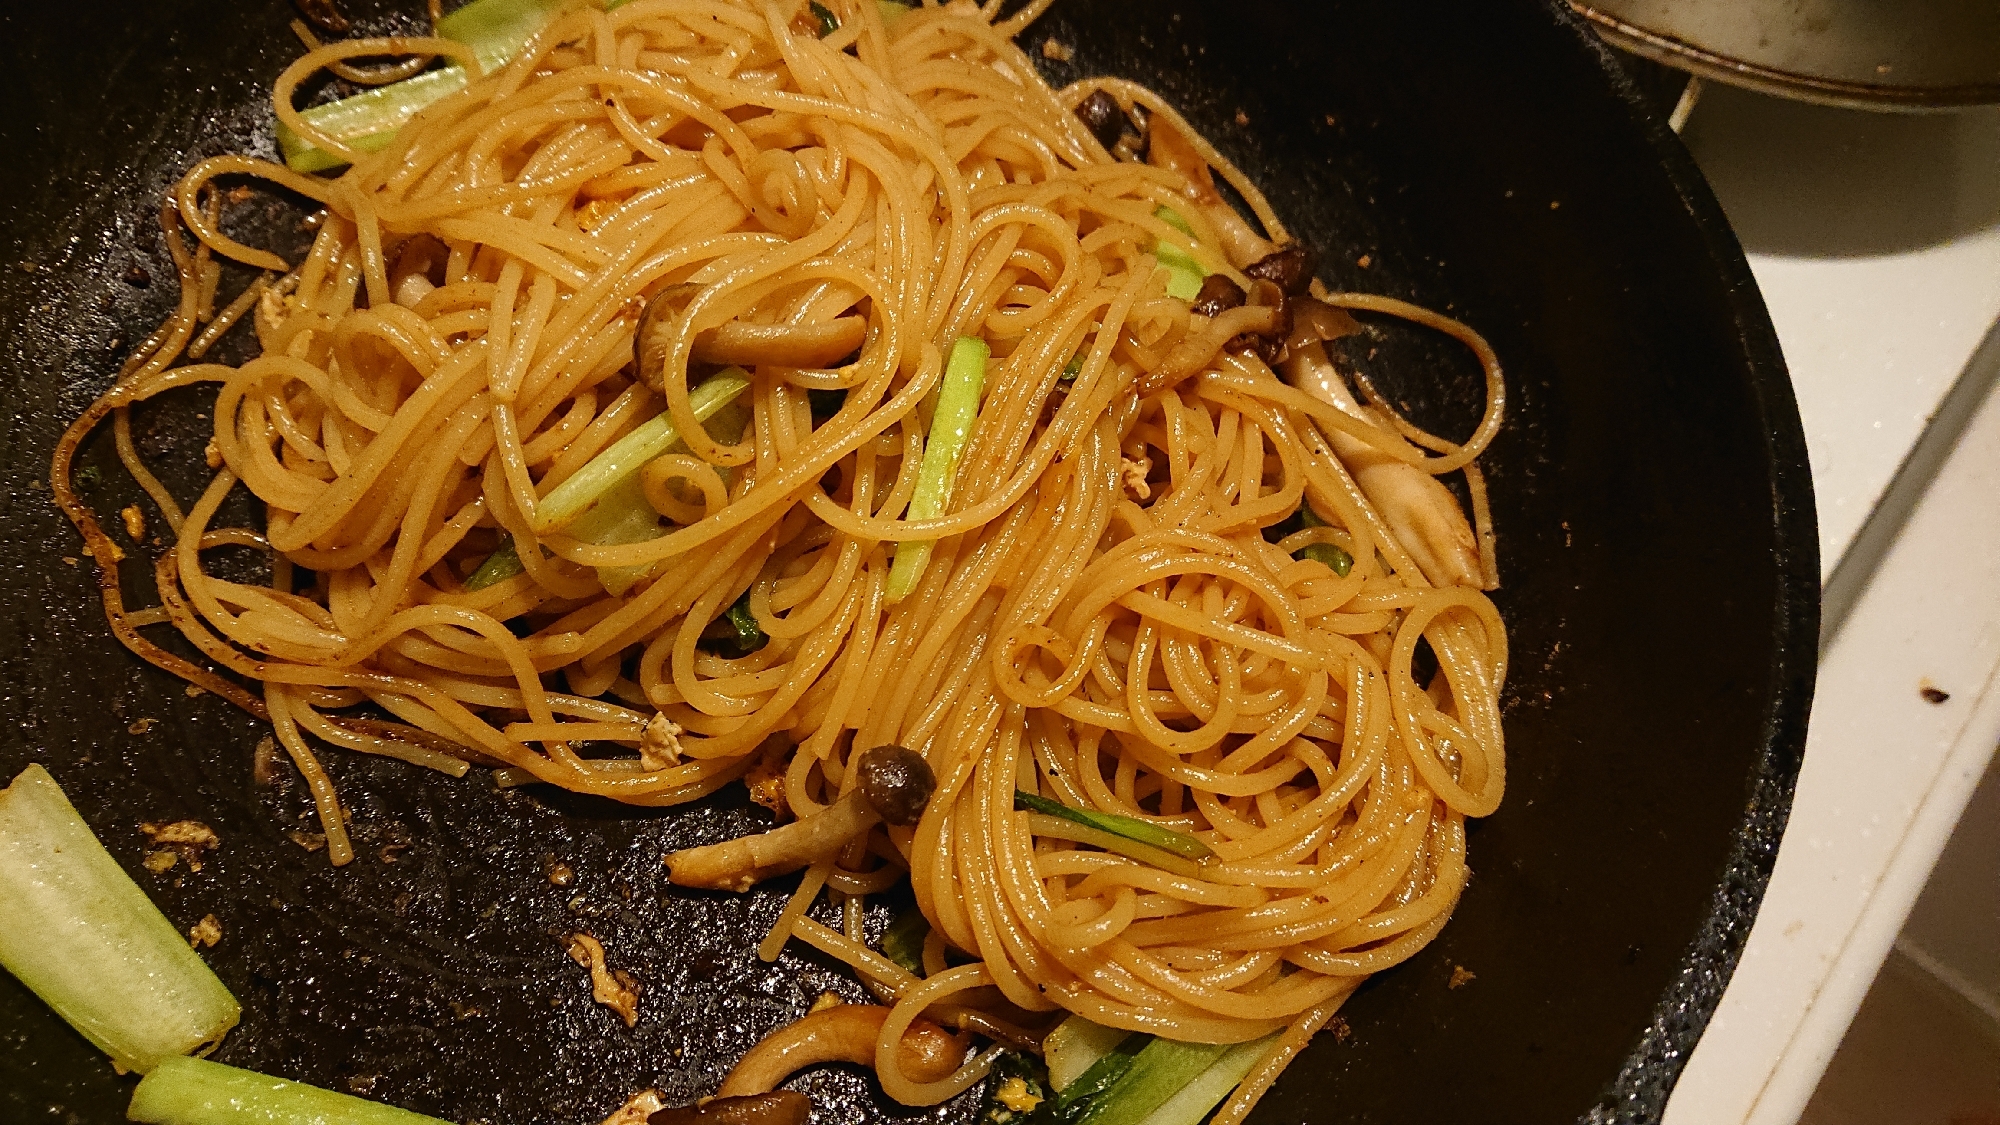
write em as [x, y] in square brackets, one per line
[828, 24]
[494, 29]
[1074, 1045]
[1130, 827]
[81, 935]
[1190, 1105]
[951, 429]
[903, 941]
[1184, 273]
[1159, 1071]
[502, 564]
[1073, 368]
[199, 1092]
[629, 454]
[892, 10]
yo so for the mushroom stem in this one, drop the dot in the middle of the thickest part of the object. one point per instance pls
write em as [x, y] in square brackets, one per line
[736, 342]
[1167, 148]
[844, 1033]
[893, 784]
[739, 864]
[785, 1107]
[1419, 510]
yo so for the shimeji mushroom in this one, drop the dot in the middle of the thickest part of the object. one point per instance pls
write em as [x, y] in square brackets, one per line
[893, 785]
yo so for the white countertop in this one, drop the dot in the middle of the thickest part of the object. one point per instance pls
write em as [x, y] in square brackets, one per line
[1876, 242]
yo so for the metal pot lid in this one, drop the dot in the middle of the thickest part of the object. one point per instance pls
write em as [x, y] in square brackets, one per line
[1873, 54]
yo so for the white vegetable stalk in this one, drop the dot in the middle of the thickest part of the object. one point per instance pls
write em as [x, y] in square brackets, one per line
[78, 932]
[198, 1092]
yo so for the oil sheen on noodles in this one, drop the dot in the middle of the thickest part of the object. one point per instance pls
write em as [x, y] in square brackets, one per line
[1101, 619]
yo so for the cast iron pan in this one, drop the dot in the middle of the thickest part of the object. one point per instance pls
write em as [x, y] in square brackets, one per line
[1657, 546]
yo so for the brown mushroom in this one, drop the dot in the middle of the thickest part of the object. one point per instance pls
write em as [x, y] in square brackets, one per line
[1167, 147]
[779, 1107]
[1100, 114]
[738, 342]
[844, 1033]
[1419, 510]
[1290, 269]
[1218, 294]
[1267, 340]
[894, 785]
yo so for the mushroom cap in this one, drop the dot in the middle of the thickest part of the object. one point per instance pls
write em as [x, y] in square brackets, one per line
[897, 782]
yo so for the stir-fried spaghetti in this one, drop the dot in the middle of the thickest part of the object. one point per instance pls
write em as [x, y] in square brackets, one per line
[630, 356]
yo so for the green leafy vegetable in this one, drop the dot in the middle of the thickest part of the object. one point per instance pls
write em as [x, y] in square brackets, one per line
[903, 942]
[82, 936]
[736, 634]
[1184, 273]
[494, 29]
[199, 1092]
[892, 10]
[828, 24]
[1016, 1089]
[1331, 554]
[621, 463]
[502, 564]
[1073, 368]
[1129, 827]
[1079, 1098]
[1159, 1071]
[1074, 1045]
[951, 429]
[621, 516]
[1190, 1105]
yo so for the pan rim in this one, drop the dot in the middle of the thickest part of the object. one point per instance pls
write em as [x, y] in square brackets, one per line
[1645, 1081]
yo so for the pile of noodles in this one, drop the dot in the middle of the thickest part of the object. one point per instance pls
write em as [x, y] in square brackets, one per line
[460, 340]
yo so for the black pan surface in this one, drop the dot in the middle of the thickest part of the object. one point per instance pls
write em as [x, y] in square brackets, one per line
[1657, 546]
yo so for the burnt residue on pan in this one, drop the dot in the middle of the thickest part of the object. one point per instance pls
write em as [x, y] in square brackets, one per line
[1657, 551]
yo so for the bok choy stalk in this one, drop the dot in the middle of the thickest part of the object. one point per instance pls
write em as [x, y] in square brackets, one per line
[1104, 1076]
[199, 1092]
[604, 502]
[1075, 1045]
[621, 463]
[494, 29]
[1161, 1069]
[951, 429]
[1191, 1103]
[1184, 274]
[79, 933]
